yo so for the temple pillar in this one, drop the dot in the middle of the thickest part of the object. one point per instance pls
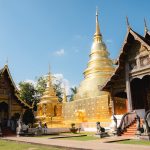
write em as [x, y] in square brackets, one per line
[128, 88]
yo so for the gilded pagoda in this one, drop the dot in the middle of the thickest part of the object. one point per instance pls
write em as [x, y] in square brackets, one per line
[49, 109]
[90, 104]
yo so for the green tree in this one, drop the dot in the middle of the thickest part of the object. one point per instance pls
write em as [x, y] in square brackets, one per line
[28, 117]
[58, 89]
[73, 92]
[28, 92]
[41, 85]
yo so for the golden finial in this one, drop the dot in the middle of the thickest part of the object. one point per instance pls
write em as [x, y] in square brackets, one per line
[127, 21]
[49, 69]
[97, 23]
[145, 26]
[96, 11]
[49, 76]
[97, 35]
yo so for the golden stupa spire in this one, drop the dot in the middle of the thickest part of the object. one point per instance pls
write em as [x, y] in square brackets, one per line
[49, 78]
[50, 87]
[99, 67]
[97, 35]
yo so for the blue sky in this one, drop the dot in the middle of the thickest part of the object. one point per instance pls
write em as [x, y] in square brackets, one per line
[36, 33]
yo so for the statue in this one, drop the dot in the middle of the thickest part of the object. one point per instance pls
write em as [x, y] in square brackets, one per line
[137, 122]
[115, 121]
[99, 128]
[19, 127]
[148, 121]
[145, 127]
[146, 124]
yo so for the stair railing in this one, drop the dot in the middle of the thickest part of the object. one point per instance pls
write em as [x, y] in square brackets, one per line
[147, 120]
[127, 120]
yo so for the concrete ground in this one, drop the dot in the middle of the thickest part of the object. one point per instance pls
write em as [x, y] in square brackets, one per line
[88, 145]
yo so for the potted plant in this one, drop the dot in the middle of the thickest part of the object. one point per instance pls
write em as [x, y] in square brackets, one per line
[73, 129]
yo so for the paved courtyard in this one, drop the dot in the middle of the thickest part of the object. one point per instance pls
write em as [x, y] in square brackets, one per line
[72, 144]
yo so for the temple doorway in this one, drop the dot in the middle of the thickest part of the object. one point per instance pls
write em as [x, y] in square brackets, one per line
[140, 91]
[3, 113]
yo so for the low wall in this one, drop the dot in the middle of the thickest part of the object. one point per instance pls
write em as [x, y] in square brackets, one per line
[50, 130]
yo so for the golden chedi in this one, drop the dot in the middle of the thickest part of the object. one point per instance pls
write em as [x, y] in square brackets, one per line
[49, 109]
[99, 67]
[90, 104]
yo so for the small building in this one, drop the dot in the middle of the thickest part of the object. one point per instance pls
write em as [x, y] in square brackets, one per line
[49, 109]
[11, 104]
[131, 80]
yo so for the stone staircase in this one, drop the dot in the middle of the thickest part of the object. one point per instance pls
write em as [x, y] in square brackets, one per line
[131, 130]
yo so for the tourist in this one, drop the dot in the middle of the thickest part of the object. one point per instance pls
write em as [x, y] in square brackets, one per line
[45, 128]
[40, 128]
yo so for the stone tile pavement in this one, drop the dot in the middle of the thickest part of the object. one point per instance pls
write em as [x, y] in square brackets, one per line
[72, 144]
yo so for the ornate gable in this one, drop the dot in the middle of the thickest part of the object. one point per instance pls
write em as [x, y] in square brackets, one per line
[135, 50]
[7, 87]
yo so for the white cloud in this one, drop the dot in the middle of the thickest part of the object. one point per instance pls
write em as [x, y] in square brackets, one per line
[27, 81]
[55, 77]
[30, 81]
[65, 83]
[109, 41]
[60, 52]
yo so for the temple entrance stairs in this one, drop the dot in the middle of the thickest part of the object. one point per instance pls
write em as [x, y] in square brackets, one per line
[131, 129]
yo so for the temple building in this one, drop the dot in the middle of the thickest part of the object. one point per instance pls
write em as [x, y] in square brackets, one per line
[10, 102]
[49, 109]
[90, 105]
[131, 79]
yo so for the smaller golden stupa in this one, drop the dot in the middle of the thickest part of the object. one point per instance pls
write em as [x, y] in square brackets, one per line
[49, 109]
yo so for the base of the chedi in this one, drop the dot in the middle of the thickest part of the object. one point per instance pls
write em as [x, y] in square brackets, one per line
[49, 109]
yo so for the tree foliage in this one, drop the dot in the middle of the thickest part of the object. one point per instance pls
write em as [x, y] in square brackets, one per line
[58, 89]
[28, 117]
[73, 92]
[41, 85]
[28, 92]
[32, 93]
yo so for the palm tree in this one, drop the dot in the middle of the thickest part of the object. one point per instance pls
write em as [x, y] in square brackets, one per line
[73, 91]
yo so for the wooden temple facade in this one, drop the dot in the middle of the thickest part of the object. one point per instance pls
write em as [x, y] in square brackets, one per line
[10, 102]
[131, 79]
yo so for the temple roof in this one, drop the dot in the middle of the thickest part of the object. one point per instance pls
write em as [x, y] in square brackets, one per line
[147, 36]
[130, 36]
[16, 91]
